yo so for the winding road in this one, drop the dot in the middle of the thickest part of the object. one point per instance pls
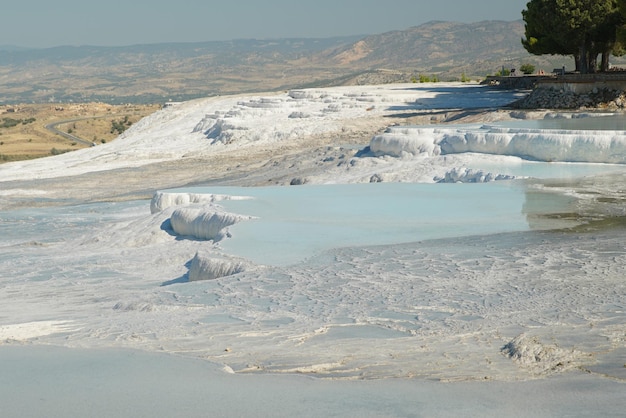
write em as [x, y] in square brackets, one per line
[52, 127]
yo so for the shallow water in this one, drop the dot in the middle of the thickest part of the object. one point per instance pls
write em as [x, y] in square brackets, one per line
[55, 382]
[295, 223]
[57, 223]
[552, 170]
[106, 276]
[436, 308]
[574, 122]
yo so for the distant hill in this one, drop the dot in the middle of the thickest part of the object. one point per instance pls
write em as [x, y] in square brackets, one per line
[11, 48]
[179, 71]
[157, 72]
[440, 43]
[445, 49]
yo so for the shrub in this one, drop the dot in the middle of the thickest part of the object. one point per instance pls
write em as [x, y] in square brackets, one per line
[503, 73]
[527, 68]
[55, 151]
[120, 126]
[9, 122]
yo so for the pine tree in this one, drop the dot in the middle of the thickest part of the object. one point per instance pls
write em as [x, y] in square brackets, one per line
[581, 28]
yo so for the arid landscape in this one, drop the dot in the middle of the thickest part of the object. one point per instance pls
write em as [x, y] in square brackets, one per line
[158, 73]
[62, 99]
[32, 130]
[91, 94]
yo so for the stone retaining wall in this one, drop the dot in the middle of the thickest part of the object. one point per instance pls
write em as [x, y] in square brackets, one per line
[560, 98]
[523, 82]
[585, 83]
[575, 91]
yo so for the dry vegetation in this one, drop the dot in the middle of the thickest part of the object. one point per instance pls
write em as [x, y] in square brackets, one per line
[23, 132]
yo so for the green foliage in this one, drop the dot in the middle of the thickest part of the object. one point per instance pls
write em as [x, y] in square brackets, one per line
[120, 126]
[55, 151]
[503, 73]
[527, 68]
[427, 79]
[465, 78]
[581, 28]
[620, 48]
[10, 122]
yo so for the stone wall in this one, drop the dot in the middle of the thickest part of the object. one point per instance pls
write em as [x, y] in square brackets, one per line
[555, 98]
[523, 82]
[575, 91]
[586, 83]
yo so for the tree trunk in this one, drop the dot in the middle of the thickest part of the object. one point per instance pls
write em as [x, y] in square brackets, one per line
[605, 61]
[584, 59]
[593, 63]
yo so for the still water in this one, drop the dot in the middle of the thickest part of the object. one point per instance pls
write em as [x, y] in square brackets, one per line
[295, 223]
[574, 122]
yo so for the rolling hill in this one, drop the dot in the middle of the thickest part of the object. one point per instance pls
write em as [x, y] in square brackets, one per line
[179, 71]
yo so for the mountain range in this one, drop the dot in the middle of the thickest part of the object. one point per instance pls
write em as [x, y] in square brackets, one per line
[157, 73]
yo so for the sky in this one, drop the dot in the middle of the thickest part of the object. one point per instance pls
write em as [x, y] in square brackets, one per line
[45, 23]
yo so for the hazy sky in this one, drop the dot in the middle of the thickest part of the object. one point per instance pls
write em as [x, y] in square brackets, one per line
[45, 23]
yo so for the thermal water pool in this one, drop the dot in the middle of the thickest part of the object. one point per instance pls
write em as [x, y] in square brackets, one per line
[294, 223]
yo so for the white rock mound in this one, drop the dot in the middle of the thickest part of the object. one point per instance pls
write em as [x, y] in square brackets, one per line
[205, 222]
[541, 145]
[205, 267]
[467, 175]
[163, 200]
[401, 141]
[534, 144]
[541, 358]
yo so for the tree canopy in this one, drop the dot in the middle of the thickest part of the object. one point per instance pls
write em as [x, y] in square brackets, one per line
[584, 29]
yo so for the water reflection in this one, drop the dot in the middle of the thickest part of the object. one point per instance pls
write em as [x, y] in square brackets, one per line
[574, 122]
[295, 223]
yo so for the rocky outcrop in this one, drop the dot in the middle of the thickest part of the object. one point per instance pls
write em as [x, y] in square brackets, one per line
[205, 267]
[551, 98]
